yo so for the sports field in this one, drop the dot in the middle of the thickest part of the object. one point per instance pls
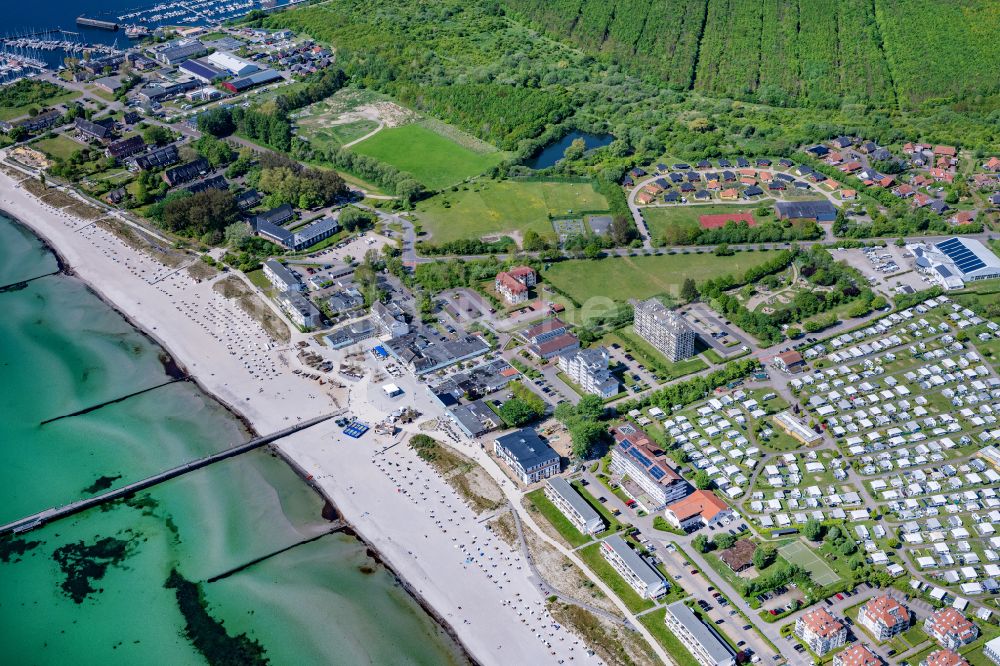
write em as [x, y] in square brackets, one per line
[798, 553]
[435, 160]
[644, 276]
[672, 223]
[496, 207]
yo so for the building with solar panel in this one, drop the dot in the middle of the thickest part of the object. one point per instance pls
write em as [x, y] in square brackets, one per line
[953, 262]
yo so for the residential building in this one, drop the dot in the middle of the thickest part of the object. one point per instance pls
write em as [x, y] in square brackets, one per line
[789, 361]
[856, 655]
[298, 240]
[276, 216]
[664, 329]
[545, 330]
[739, 556]
[32, 124]
[154, 159]
[588, 369]
[390, 321]
[884, 617]
[186, 172]
[821, 631]
[991, 651]
[530, 458]
[699, 509]
[950, 628]
[573, 506]
[125, 147]
[646, 476]
[701, 640]
[300, 309]
[93, 131]
[550, 338]
[944, 657]
[637, 572]
[282, 278]
[514, 284]
[247, 199]
[217, 182]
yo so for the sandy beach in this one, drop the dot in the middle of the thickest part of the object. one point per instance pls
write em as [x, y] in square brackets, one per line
[473, 580]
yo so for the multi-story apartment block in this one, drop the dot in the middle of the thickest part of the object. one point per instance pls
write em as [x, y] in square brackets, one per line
[884, 617]
[950, 628]
[821, 631]
[665, 330]
[588, 368]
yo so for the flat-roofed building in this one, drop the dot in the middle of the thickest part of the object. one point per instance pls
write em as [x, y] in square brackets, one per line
[300, 309]
[664, 329]
[699, 509]
[530, 458]
[233, 64]
[796, 428]
[884, 617]
[636, 571]
[821, 631]
[650, 480]
[856, 655]
[701, 640]
[282, 278]
[991, 650]
[389, 320]
[950, 628]
[573, 506]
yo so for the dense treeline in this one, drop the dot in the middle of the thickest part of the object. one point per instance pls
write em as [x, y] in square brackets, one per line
[468, 246]
[203, 215]
[769, 231]
[783, 52]
[684, 393]
[28, 91]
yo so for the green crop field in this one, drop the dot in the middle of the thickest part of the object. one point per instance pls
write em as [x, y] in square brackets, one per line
[433, 159]
[493, 207]
[644, 276]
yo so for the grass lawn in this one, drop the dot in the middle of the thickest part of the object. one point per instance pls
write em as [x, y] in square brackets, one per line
[59, 146]
[495, 207]
[798, 553]
[552, 514]
[656, 625]
[434, 160]
[591, 555]
[11, 112]
[612, 522]
[674, 222]
[644, 276]
[335, 136]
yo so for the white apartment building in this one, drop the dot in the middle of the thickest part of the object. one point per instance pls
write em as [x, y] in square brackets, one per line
[588, 368]
[884, 617]
[573, 506]
[664, 329]
[699, 638]
[821, 631]
[643, 578]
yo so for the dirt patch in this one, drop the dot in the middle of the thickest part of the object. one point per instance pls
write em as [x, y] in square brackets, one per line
[351, 105]
[613, 643]
[563, 575]
[199, 270]
[233, 288]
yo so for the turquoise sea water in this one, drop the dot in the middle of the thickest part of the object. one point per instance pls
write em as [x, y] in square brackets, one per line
[90, 589]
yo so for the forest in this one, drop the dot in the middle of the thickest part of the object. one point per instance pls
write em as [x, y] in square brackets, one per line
[475, 65]
[791, 52]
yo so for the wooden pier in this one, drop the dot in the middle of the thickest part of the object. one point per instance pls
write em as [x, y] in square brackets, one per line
[56, 513]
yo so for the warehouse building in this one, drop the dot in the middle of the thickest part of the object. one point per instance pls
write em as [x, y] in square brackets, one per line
[953, 262]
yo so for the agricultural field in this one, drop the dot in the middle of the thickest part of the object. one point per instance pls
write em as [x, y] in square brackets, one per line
[434, 159]
[644, 276]
[504, 207]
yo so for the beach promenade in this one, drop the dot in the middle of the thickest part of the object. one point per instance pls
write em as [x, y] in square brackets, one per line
[472, 580]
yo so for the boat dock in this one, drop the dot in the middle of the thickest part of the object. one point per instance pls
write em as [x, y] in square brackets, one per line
[33, 521]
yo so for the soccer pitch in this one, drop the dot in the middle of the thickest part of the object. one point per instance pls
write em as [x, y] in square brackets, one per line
[798, 553]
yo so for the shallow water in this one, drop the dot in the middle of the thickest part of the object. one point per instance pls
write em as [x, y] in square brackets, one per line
[62, 598]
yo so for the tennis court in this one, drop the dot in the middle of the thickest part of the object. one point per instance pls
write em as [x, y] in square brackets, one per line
[798, 553]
